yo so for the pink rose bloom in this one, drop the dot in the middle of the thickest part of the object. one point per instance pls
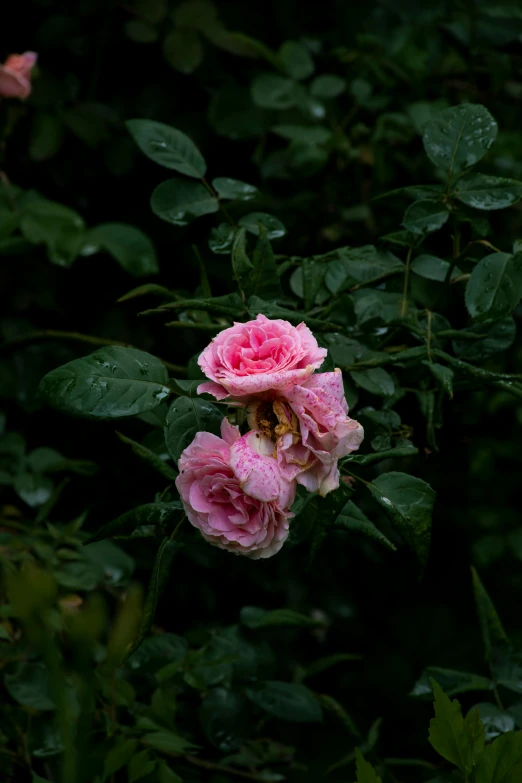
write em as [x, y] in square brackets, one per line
[233, 492]
[259, 356]
[311, 429]
[15, 75]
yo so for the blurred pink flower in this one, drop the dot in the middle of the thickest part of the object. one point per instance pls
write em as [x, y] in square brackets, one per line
[15, 75]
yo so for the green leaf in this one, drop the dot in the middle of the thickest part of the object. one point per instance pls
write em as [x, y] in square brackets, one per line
[271, 91]
[47, 135]
[254, 617]
[180, 202]
[482, 191]
[168, 147]
[148, 456]
[286, 701]
[221, 238]
[495, 286]
[458, 137]
[496, 338]
[131, 248]
[29, 684]
[158, 581]
[275, 229]
[140, 765]
[476, 735]
[33, 489]
[183, 49]
[359, 265]
[307, 282]
[408, 450]
[322, 664]
[375, 381]
[501, 761]
[234, 189]
[110, 383]
[166, 775]
[59, 228]
[351, 518]
[156, 651]
[149, 514]
[443, 375]
[431, 268]
[452, 682]
[448, 732]
[185, 418]
[241, 264]
[225, 718]
[115, 565]
[118, 756]
[167, 742]
[493, 635]
[328, 85]
[263, 279]
[296, 60]
[152, 289]
[307, 134]
[408, 503]
[365, 771]
[425, 216]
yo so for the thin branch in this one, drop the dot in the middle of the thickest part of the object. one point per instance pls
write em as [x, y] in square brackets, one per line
[54, 334]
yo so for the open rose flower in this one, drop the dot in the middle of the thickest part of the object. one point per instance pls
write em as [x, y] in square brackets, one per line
[311, 428]
[259, 356]
[15, 75]
[233, 492]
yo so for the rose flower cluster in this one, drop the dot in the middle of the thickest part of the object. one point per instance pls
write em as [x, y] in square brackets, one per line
[238, 490]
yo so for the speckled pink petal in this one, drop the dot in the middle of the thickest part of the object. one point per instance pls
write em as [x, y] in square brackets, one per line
[256, 469]
[215, 389]
[229, 432]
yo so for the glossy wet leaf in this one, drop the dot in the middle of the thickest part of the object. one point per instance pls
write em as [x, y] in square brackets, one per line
[58, 227]
[110, 383]
[33, 489]
[459, 137]
[185, 418]
[494, 339]
[275, 229]
[482, 191]
[221, 238]
[359, 265]
[443, 375]
[180, 201]
[376, 381]
[225, 718]
[408, 503]
[118, 756]
[131, 248]
[425, 216]
[234, 189]
[495, 286]
[262, 280]
[286, 701]
[168, 146]
[431, 267]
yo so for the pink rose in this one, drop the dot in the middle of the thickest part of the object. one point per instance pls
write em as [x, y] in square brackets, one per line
[259, 356]
[233, 492]
[15, 75]
[311, 428]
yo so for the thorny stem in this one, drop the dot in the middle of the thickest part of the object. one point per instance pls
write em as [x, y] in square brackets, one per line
[54, 334]
[428, 347]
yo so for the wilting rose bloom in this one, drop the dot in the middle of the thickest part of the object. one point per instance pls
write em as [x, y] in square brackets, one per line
[259, 356]
[311, 429]
[233, 492]
[15, 75]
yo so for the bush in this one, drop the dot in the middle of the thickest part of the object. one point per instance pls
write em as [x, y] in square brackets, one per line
[357, 170]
